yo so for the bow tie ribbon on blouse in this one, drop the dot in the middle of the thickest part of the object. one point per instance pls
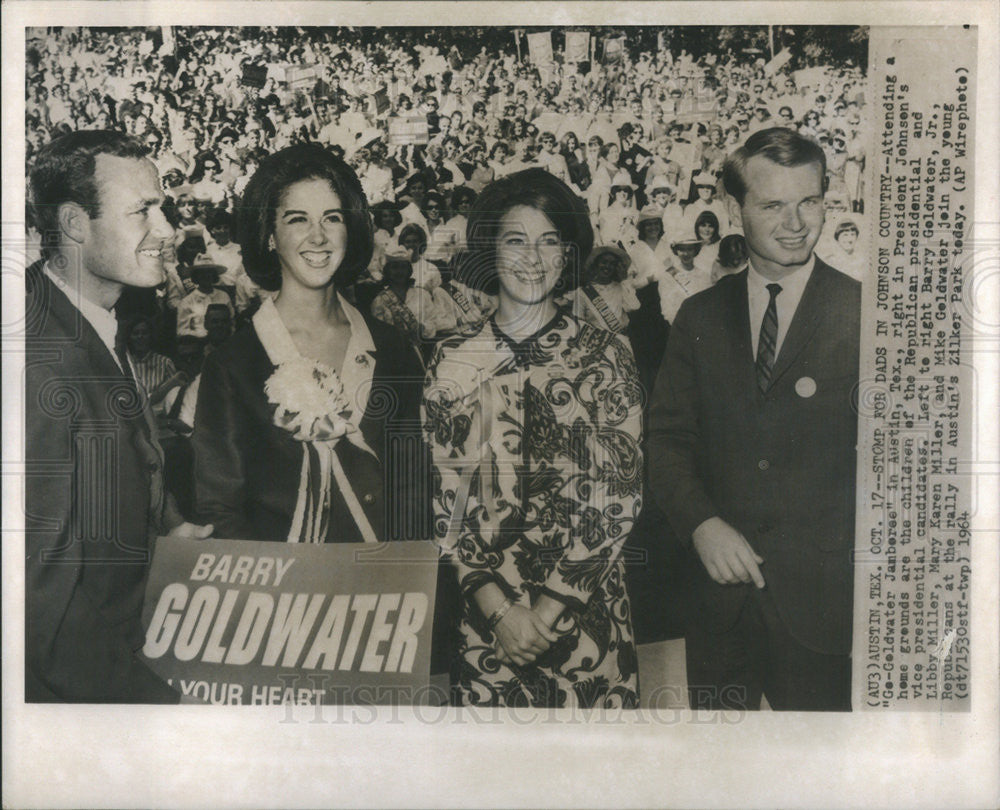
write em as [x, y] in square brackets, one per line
[310, 403]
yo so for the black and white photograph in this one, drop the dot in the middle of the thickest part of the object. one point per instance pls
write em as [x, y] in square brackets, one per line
[397, 391]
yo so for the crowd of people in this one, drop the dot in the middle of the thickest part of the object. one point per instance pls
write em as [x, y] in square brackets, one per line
[355, 199]
[641, 139]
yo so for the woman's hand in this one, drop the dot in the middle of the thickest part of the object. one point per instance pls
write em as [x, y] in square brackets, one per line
[522, 635]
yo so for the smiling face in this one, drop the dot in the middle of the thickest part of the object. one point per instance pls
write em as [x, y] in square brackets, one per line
[310, 235]
[385, 220]
[186, 209]
[847, 240]
[606, 269]
[530, 255]
[781, 216]
[414, 245]
[124, 245]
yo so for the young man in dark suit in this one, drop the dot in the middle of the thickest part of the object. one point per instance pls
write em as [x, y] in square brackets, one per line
[752, 447]
[94, 483]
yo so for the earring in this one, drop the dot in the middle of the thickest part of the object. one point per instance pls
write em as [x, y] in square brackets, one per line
[270, 243]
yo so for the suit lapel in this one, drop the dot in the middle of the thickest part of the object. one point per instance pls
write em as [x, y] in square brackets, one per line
[78, 337]
[736, 324]
[808, 316]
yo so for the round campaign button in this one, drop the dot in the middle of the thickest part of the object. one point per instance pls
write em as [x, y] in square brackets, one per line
[805, 387]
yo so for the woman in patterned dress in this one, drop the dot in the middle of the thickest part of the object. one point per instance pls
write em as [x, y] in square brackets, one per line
[534, 421]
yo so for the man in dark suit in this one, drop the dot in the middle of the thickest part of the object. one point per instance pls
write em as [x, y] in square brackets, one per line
[752, 447]
[94, 486]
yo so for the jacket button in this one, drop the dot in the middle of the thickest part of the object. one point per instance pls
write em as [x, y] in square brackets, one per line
[763, 464]
[369, 498]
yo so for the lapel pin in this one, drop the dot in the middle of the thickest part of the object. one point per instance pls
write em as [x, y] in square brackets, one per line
[805, 387]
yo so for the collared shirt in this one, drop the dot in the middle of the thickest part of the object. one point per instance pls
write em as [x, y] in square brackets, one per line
[152, 371]
[792, 287]
[103, 320]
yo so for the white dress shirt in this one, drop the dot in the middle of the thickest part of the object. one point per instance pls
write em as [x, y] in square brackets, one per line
[103, 320]
[792, 287]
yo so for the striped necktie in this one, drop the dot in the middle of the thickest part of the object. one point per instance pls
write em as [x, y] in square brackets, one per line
[768, 339]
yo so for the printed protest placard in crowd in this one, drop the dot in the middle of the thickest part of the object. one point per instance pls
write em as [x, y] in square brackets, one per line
[301, 77]
[243, 622]
[614, 49]
[540, 47]
[408, 129]
[254, 76]
[692, 109]
[577, 46]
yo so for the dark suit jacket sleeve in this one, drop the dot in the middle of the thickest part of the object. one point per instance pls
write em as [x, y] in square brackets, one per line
[220, 433]
[675, 433]
[74, 650]
[407, 463]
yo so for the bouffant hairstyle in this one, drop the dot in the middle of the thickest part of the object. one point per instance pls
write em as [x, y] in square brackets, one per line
[707, 218]
[733, 251]
[533, 188]
[255, 212]
[847, 226]
[385, 206]
[779, 145]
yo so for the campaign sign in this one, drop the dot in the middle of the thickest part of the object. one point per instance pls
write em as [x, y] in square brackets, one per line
[540, 47]
[577, 46]
[243, 622]
[301, 77]
[254, 76]
[408, 129]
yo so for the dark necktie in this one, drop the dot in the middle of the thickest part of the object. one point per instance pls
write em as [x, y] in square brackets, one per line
[122, 354]
[768, 339]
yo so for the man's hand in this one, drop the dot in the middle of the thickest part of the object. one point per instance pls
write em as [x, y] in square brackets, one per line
[191, 531]
[726, 554]
[523, 635]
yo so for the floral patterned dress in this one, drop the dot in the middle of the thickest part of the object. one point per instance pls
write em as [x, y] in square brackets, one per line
[538, 481]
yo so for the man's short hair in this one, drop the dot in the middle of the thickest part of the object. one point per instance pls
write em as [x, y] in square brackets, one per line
[779, 145]
[64, 171]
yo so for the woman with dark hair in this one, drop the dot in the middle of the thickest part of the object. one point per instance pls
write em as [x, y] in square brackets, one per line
[706, 229]
[572, 152]
[413, 238]
[602, 178]
[386, 218]
[732, 257]
[293, 412]
[499, 155]
[534, 422]
[810, 126]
